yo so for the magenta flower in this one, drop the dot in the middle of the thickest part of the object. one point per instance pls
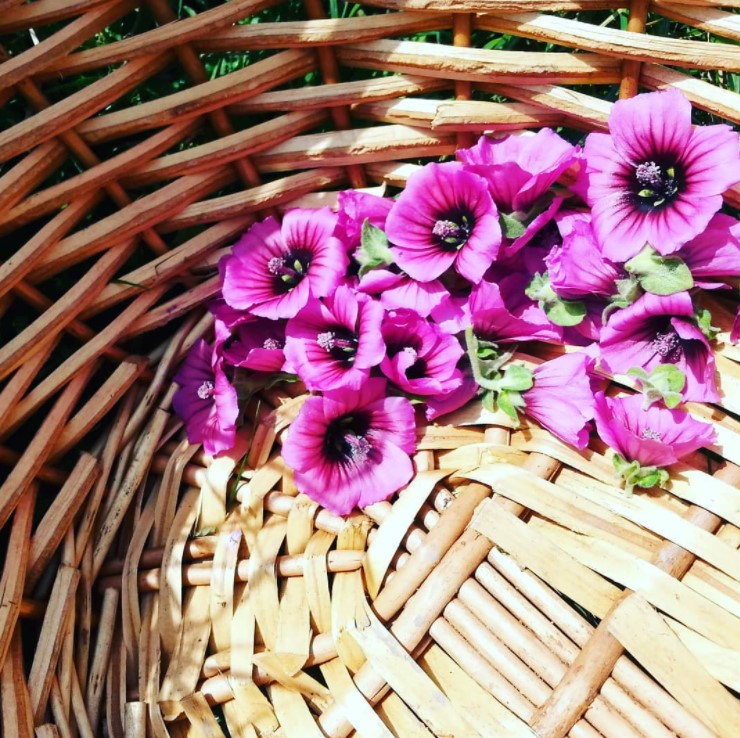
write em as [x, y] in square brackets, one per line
[445, 404]
[397, 291]
[735, 330]
[420, 358]
[562, 399]
[351, 449]
[255, 344]
[445, 217]
[274, 269]
[659, 329]
[519, 169]
[655, 179]
[577, 267]
[354, 208]
[653, 437]
[715, 252]
[335, 343]
[502, 312]
[206, 401]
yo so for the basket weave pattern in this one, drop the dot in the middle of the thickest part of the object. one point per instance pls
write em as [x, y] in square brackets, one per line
[511, 589]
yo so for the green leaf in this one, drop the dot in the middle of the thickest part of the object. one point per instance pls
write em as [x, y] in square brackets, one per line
[511, 227]
[635, 475]
[516, 378]
[489, 401]
[704, 321]
[374, 250]
[660, 275]
[506, 404]
[559, 311]
[565, 312]
[665, 382]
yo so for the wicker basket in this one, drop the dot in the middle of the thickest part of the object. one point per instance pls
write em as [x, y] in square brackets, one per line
[511, 590]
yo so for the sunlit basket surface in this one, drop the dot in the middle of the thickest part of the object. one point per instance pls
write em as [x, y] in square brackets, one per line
[512, 589]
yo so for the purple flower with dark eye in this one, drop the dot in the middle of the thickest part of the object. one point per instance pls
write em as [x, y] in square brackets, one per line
[206, 401]
[577, 267]
[715, 252]
[255, 344]
[445, 217]
[356, 207]
[335, 343]
[659, 329]
[519, 169]
[274, 269]
[351, 448]
[655, 179]
[420, 358]
[562, 399]
[653, 437]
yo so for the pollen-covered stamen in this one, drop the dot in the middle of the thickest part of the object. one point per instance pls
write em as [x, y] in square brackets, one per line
[206, 390]
[451, 235]
[411, 351]
[650, 434]
[658, 185]
[272, 344]
[667, 344]
[291, 268]
[357, 448]
[336, 344]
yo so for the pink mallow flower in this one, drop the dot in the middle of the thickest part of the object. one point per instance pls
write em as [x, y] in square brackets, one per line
[655, 178]
[445, 217]
[562, 399]
[256, 344]
[420, 358]
[274, 269]
[519, 169]
[335, 343]
[206, 401]
[660, 329]
[653, 437]
[397, 290]
[715, 253]
[577, 267]
[351, 448]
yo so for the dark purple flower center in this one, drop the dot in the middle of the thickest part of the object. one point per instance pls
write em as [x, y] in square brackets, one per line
[656, 184]
[346, 440]
[453, 231]
[340, 343]
[206, 390]
[667, 344]
[289, 269]
[650, 435]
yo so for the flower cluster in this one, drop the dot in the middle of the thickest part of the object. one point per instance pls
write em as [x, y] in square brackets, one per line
[425, 300]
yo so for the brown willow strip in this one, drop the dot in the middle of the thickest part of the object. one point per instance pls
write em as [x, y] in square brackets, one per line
[16, 717]
[45, 328]
[37, 451]
[43, 12]
[36, 58]
[613, 42]
[166, 267]
[702, 94]
[631, 67]
[118, 228]
[503, 6]
[341, 93]
[360, 145]
[200, 574]
[254, 199]
[479, 65]
[711, 20]
[78, 107]
[202, 98]
[167, 36]
[82, 358]
[62, 193]
[14, 570]
[225, 149]
[474, 115]
[30, 172]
